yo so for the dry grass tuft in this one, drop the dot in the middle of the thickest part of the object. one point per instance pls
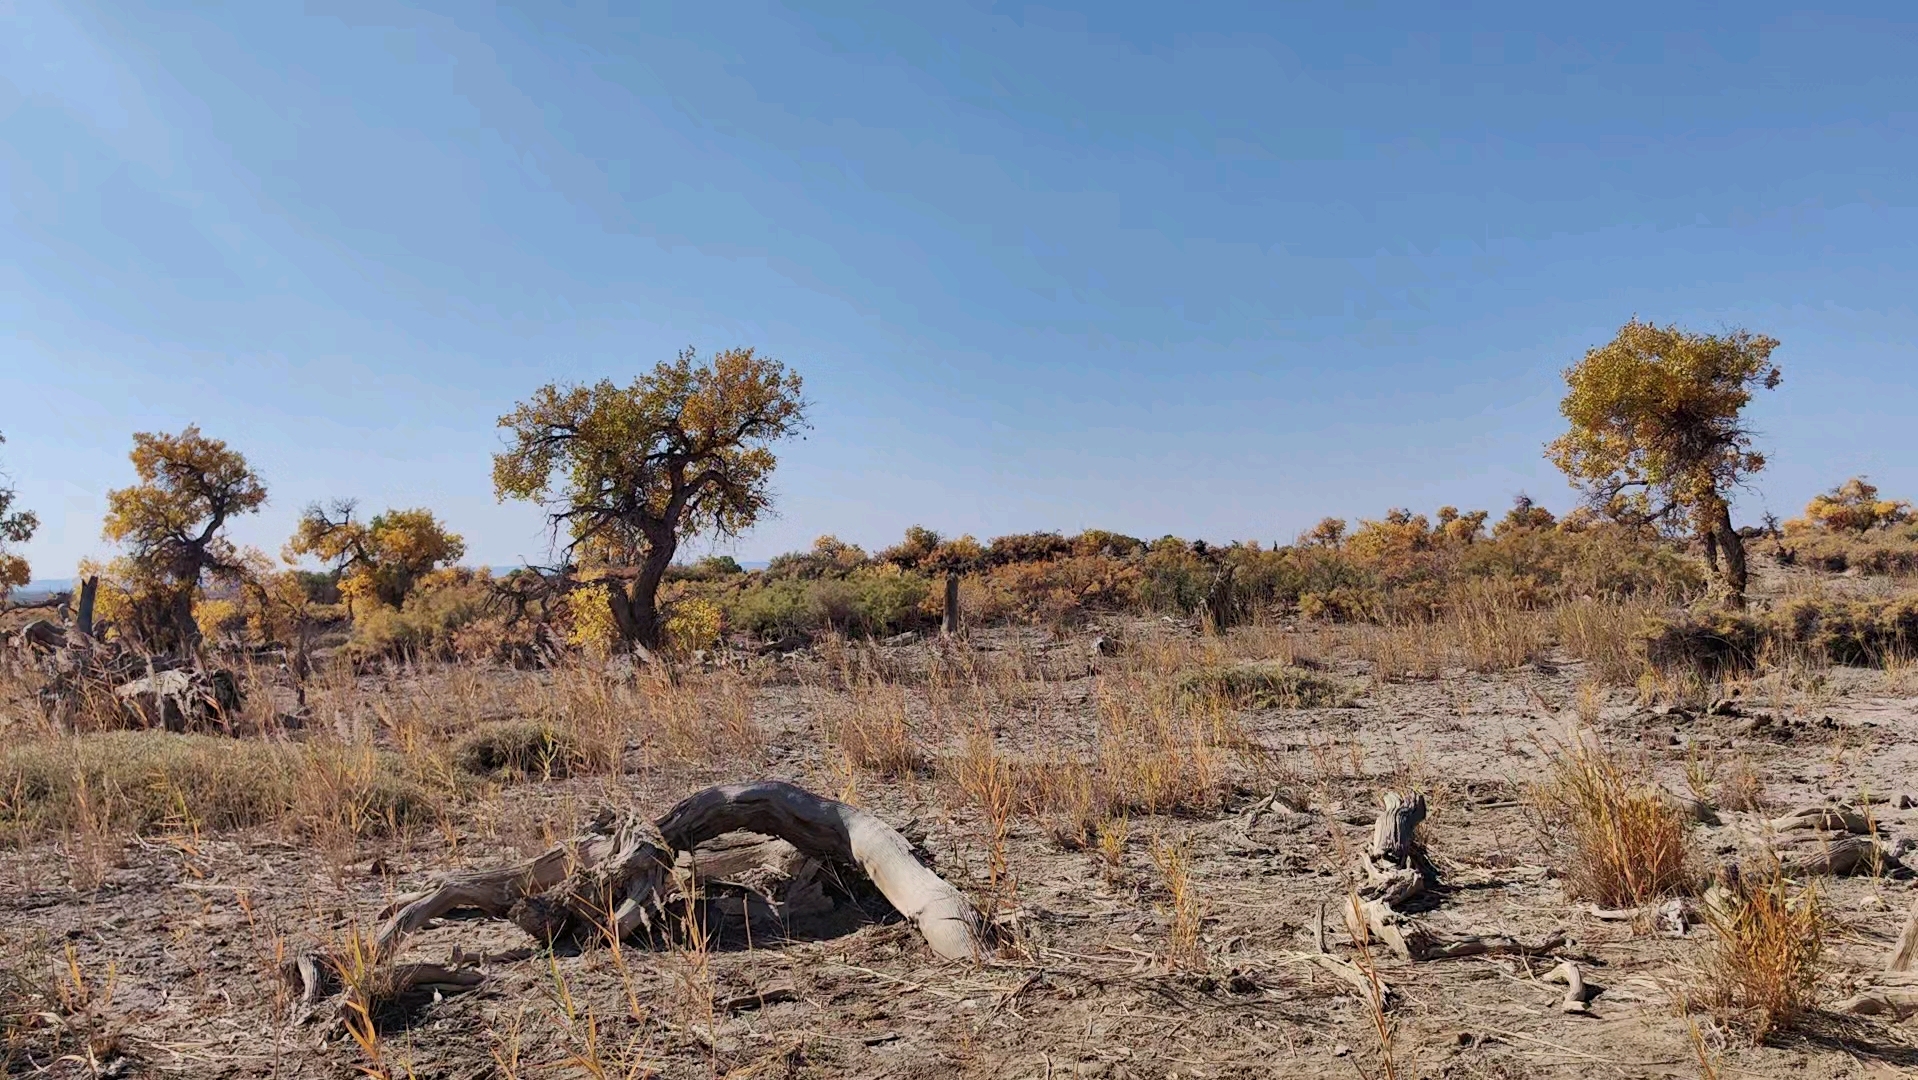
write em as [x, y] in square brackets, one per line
[1604, 633]
[1185, 912]
[132, 781]
[1261, 686]
[1763, 963]
[1622, 841]
[874, 732]
[517, 748]
[1742, 787]
[1154, 756]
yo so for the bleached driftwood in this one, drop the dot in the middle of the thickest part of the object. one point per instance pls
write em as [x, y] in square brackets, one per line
[1578, 993]
[832, 831]
[766, 842]
[1894, 991]
[1904, 956]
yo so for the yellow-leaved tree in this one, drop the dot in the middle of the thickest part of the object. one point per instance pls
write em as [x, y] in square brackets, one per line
[172, 524]
[378, 560]
[16, 527]
[632, 470]
[1658, 435]
[1853, 506]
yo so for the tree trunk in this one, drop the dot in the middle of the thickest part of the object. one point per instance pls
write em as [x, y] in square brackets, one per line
[89, 589]
[636, 607]
[185, 628]
[1732, 547]
[949, 622]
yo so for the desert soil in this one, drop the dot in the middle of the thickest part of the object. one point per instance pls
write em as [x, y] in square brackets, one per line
[188, 929]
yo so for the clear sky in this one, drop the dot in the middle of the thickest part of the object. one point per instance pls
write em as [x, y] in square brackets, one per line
[1212, 269]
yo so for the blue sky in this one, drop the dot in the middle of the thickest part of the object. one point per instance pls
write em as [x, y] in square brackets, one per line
[1213, 269]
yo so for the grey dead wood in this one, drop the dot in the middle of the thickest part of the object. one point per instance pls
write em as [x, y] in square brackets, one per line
[832, 831]
[1395, 872]
[768, 844]
[1894, 991]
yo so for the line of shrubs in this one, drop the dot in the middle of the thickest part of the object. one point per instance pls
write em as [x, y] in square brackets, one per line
[1854, 632]
[1401, 567]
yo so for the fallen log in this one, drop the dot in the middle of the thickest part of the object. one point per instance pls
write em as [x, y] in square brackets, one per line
[832, 831]
[1823, 819]
[765, 843]
[1841, 856]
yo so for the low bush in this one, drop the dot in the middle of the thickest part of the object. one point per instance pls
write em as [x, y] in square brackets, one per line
[516, 748]
[1838, 630]
[1881, 552]
[425, 624]
[1262, 686]
[869, 601]
[1709, 643]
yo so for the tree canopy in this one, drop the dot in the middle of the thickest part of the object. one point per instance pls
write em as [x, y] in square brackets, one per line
[1658, 434]
[172, 523]
[16, 527]
[627, 471]
[1854, 506]
[381, 559]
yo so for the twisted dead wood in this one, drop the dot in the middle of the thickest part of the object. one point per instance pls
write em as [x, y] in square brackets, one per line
[832, 831]
[767, 840]
[1396, 872]
[1894, 991]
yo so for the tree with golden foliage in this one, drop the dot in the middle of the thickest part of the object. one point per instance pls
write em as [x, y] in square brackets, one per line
[1853, 506]
[16, 527]
[1657, 433]
[172, 524]
[683, 450]
[381, 559]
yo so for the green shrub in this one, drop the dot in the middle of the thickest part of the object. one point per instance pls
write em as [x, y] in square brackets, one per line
[710, 568]
[871, 600]
[425, 625]
[771, 608]
[874, 601]
[1026, 548]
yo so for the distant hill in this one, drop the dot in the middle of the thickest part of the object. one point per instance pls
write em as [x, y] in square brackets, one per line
[40, 589]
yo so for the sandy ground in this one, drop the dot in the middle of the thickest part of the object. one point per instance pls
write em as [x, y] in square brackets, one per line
[186, 931]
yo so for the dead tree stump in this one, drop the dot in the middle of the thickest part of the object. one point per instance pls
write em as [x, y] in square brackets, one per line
[949, 622]
[83, 621]
[1216, 612]
[1395, 873]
